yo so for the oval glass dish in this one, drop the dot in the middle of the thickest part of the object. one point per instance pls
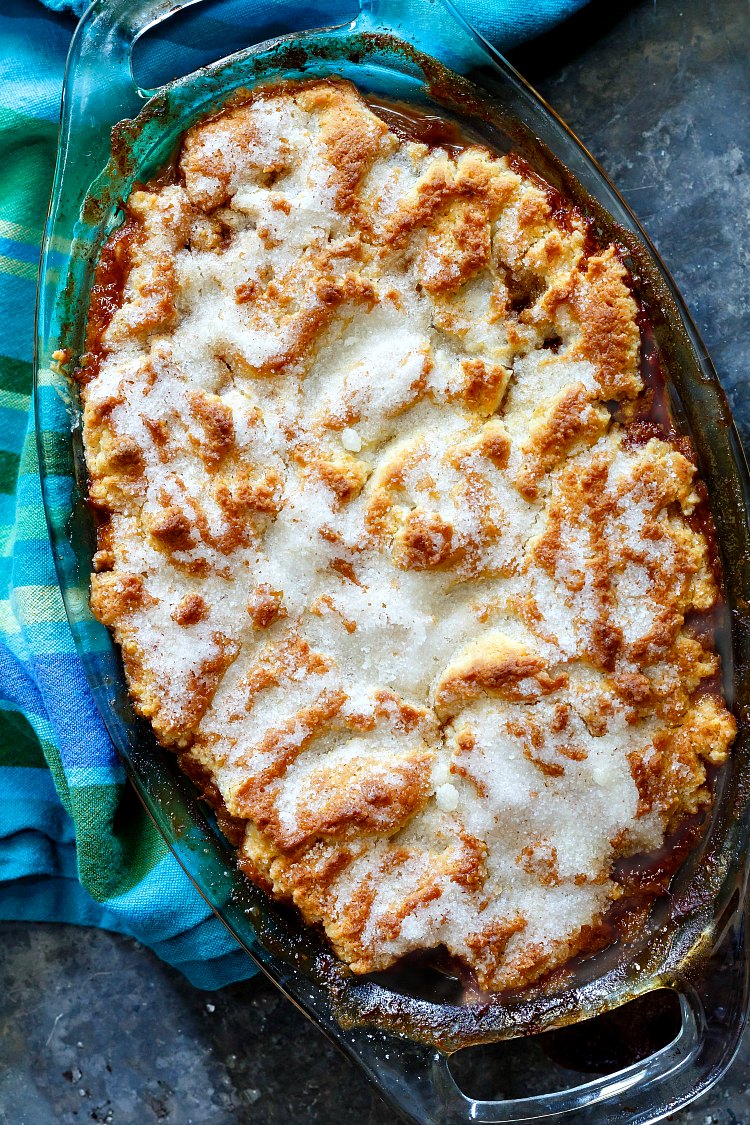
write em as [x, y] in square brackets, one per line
[419, 52]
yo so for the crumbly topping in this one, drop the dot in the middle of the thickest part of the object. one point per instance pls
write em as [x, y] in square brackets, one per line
[380, 561]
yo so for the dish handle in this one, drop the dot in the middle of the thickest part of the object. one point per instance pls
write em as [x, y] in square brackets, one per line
[107, 33]
[418, 1081]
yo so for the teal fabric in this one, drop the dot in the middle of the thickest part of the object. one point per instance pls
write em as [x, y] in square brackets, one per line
[75, 845]
[504, 23]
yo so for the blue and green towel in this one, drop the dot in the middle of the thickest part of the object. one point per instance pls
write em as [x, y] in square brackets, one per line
[75, 844]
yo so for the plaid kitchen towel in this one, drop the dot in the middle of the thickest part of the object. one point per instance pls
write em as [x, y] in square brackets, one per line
[75, 845]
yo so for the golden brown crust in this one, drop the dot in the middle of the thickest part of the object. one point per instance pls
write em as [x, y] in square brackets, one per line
[568, 421]
[495, 666]
[383, 566]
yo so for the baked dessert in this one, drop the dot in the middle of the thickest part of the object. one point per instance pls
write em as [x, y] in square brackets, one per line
[394, 561]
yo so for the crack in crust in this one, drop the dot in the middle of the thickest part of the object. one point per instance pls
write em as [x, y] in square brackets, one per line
[383, 566]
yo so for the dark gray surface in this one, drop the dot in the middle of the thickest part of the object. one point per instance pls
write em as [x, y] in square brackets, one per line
[92, 1027]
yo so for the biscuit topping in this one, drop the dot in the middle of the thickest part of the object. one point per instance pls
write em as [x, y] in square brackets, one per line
[379, 557]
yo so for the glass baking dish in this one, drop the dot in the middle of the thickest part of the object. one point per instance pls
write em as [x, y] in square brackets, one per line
[402, 1034]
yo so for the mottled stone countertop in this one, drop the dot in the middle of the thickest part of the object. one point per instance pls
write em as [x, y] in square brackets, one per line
[92, 1027]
